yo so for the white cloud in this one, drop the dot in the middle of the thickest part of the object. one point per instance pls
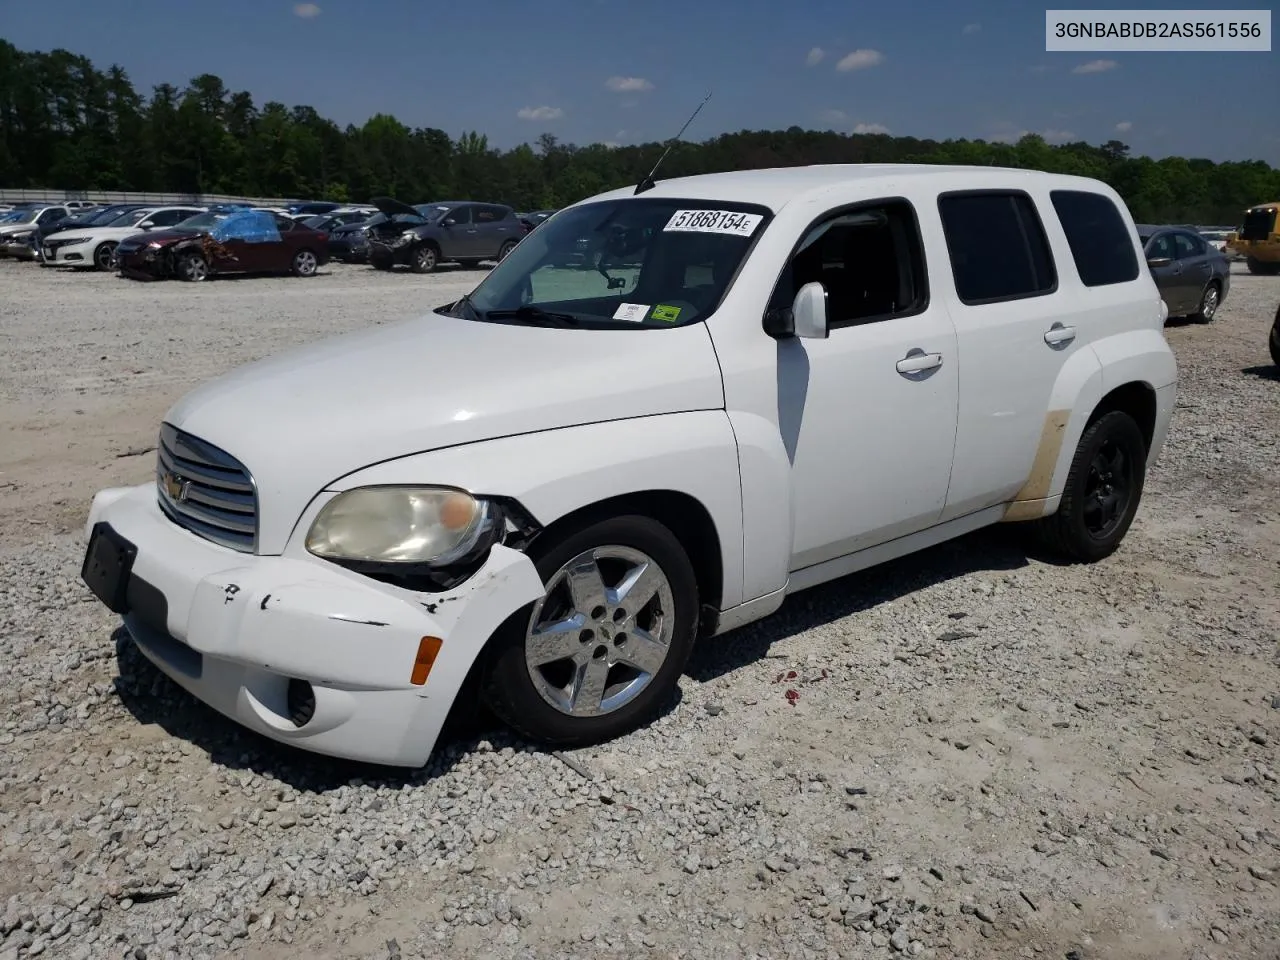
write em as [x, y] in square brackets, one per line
[971, 28]
[870, 128]
[860, 60]
[1124, 126]
[306, 10]
[540, 113]
[628, 84]
[834, 117]
[620, 135]
[815, 56]
[1095, 66]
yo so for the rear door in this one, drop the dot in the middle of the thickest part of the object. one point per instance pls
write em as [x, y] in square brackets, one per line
[1197, 267]
[497, 224]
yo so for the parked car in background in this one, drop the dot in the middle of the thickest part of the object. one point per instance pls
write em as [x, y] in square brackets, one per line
[1274, 339]
[534, 219]
[95, 216]
[313, 207]
[1258, 239]
[349, 243]
[1193, 276]
[328, 222]
[1216, 237]
[223, 242]
[558, 484]
[95, 247]
[458, 231]
[20, 229]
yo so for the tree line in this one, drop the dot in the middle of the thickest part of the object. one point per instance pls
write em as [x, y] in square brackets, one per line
[66, 125]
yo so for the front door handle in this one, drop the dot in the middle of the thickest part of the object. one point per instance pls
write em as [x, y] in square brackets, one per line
[1058, 334]
[917, 361]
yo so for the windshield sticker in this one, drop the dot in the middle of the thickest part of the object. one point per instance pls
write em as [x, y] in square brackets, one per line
[635, 312]
[664, 312]
[714, 221]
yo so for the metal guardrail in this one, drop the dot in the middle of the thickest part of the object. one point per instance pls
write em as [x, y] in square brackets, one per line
[21, 194]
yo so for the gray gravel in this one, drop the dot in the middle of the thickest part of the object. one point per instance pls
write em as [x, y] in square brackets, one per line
[968, 753]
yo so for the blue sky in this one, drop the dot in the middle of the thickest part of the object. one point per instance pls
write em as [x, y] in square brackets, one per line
[609, 70]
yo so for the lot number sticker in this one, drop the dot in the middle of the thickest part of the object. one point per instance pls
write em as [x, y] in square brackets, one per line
[714, 221]
[631, 311]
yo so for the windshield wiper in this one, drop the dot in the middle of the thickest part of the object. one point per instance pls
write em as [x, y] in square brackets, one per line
[536, 315]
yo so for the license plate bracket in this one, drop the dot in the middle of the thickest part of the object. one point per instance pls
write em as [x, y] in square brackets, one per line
[108, 562]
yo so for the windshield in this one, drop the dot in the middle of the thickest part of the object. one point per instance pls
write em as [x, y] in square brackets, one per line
[129, 219]
[318, 223]
[202, 221]
[100, 218]
[21, 216]
[630, 262]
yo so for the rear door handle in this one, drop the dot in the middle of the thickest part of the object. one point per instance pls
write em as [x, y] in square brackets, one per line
[917, 361]
[1059, 334]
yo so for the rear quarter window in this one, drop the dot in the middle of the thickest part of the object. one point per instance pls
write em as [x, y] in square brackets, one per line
[1098, 237]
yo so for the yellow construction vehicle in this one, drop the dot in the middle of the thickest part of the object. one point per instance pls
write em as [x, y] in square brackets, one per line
[1258, 240]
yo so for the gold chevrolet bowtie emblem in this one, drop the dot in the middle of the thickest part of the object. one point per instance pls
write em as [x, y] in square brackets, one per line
[175, 487]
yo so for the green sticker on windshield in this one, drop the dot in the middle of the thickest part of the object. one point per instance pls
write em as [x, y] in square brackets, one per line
[664, 312]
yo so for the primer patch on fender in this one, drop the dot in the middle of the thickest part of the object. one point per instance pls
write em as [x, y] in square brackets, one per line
[634, 312]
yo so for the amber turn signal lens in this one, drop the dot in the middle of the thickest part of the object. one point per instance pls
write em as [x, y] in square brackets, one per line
[428, 650]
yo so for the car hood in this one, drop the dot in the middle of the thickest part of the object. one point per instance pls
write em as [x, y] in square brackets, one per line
[163, 237]
[391, 206]
[347, 229]
[9, 228]
[303, 419]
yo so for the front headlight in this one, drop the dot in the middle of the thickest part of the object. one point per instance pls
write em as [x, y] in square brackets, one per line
[405, 525]
[72, 241]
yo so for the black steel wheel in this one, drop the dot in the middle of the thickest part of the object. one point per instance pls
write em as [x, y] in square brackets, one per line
[1103, 490]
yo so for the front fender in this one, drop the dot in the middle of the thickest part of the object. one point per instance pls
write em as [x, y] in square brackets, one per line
[553, 473]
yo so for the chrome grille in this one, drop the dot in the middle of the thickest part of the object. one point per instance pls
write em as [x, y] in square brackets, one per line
[206, 490]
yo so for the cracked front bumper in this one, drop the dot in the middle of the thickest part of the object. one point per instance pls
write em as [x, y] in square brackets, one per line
[237, 630]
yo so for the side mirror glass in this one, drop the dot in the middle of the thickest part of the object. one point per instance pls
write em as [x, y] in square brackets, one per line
[1159, 261]
[809, 312]
[145, 225]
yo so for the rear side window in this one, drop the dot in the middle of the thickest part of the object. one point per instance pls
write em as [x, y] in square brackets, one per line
[997, 246]
[1098, 238]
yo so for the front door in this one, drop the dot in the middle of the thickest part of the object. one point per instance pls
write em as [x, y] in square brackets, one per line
[460, 238]
[1168, 276]
[868, 415]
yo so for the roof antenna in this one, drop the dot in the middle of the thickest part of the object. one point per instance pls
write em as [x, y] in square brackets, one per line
[648, 182]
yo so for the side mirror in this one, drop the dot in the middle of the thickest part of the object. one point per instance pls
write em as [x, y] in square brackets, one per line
[1159, 261]
[145, 225]
[806, 317]
[448, 222]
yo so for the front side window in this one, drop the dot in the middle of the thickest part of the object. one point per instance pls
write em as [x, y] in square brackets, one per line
[1187, 246]
[632, 262]
[1160, 247]
[869, 260]
[997, 246]
[129, 219]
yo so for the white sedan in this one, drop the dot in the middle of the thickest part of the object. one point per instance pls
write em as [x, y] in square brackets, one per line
[96, 246]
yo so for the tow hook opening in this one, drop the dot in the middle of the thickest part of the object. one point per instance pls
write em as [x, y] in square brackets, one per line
[300, 701]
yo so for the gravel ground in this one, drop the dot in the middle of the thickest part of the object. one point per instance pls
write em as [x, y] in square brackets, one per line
[968, 753]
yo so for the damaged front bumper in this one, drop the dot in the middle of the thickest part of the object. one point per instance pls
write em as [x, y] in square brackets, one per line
[293, 647]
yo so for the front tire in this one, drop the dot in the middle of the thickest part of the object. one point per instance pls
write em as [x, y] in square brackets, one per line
[601, 653]
[104, 257]
[192, 267]
[1102, 493]
[423, 260]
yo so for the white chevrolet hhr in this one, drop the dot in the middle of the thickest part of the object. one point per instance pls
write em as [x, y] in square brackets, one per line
[748, 383]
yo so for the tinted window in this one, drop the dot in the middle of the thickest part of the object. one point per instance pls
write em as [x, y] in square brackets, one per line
[869, 260]
[1187, 245]
[459, 215]
[488, 214]
[1098, 237]
[997, 246]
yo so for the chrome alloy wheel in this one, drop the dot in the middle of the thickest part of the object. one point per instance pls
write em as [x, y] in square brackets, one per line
[601, 632]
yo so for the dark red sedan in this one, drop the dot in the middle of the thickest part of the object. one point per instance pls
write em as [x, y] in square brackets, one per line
[221, 242]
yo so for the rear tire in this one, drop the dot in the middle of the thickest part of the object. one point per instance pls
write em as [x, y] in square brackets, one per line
[506, 250]
[1210, 300]
[1273, 341]
[305, 263]
[1102, 493]
[528, 698]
